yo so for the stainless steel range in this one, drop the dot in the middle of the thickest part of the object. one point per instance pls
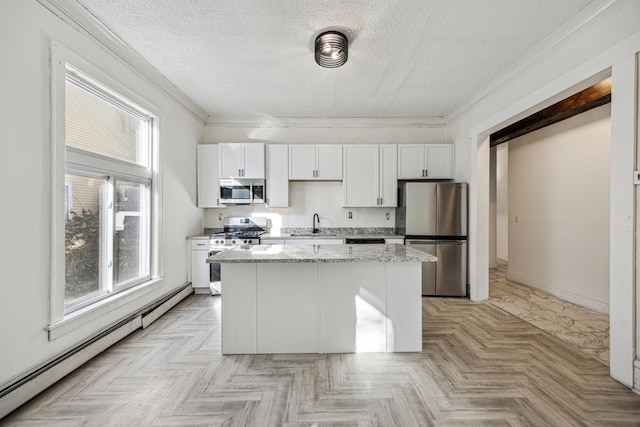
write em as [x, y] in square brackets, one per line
[239, 230]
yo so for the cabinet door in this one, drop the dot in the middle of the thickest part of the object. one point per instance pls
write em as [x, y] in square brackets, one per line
[230, 160]
[410, 161]
[439, 160]
[287, 308]
[253, 161]
[277, 176]
[388, 176]
[353, 306]
[361, 176]
[302, 161]
[329, 162]
[208, 178]
[199, 269]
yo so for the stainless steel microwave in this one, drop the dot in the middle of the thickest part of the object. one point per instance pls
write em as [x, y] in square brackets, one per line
[241, 191]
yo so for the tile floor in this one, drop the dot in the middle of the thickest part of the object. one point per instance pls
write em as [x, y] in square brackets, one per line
[580, 327]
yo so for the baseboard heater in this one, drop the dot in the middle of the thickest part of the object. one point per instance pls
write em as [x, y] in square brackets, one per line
[12, 395]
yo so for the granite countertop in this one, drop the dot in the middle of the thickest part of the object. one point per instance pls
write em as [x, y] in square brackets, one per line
[199, 237]
[325, 233]
[321, 253]
[332, 233]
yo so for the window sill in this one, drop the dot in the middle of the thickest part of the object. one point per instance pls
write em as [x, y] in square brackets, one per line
[106, 309]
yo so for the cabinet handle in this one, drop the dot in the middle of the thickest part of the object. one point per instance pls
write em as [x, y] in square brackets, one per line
[426, 172]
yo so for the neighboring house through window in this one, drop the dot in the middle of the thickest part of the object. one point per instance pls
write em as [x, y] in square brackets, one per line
[105, 228]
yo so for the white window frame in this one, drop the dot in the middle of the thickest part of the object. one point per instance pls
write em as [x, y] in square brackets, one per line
[65, 158]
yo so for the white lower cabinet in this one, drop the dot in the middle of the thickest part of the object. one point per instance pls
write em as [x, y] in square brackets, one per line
[199, 266]
[311, 307]
[353, 303]
[287, 319]
[239, 309]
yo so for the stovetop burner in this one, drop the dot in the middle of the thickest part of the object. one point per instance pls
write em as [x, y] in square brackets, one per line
[240, 230]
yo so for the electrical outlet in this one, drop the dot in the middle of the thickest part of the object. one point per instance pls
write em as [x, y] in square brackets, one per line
[350, 215]
[517, 218]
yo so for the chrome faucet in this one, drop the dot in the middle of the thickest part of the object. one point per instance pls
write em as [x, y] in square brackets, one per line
[315, 229]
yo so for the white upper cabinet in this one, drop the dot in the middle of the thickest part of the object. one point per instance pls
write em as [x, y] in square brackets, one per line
[425, 161]
[208, 178]
[388, 175]
[315, 162]
[277, 157]
[370, 175]
[242, 160]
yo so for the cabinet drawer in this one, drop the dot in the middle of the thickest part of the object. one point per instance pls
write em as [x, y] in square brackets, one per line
[200, 244]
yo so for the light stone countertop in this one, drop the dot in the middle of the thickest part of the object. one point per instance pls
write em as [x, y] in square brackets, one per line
[321, 253]
[320, 236]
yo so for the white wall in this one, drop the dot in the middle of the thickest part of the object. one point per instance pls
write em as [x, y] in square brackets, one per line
[324, 198]
[559, 190]
[603, 36]
[26, 28]
[502, 201]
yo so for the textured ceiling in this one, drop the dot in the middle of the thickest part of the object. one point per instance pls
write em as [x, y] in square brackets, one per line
[407, 58]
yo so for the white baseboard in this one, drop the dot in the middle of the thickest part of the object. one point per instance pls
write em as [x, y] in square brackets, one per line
[36, 382]
[47, 378]
[564, 295]
[151, 317]
[636, 376]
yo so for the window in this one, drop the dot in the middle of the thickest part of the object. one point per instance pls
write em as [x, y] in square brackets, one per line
[104, 212]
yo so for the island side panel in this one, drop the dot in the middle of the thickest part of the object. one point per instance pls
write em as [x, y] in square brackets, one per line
[352, 307]
[239, 308]
[287, 308]
[404, 307]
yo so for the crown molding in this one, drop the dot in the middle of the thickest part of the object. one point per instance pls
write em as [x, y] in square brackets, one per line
[326, 122]
[556, 38]
[72, 13]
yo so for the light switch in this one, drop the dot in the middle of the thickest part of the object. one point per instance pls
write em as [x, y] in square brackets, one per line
[517, 218]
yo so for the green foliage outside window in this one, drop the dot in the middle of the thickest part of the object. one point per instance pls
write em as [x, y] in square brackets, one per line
[82, 254]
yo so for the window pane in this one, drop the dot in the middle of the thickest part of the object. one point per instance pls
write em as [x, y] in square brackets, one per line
[104, 127]
[84, 238]
[132, 233]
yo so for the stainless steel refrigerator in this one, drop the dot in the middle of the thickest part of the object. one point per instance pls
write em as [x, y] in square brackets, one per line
[433, 218]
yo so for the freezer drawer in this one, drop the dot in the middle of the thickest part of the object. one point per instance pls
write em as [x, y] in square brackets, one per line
[451, 268]
[428, 268]
[447, 276]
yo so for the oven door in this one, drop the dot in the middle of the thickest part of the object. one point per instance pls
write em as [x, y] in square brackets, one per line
[214, 275]
[233, 192]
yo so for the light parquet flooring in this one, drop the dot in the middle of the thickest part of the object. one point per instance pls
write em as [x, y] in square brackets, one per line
[479, 366]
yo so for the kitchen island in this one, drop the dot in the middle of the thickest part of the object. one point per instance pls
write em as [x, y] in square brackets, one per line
[321, 298]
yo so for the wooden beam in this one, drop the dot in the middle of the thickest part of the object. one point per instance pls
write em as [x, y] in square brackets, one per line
[592, 97]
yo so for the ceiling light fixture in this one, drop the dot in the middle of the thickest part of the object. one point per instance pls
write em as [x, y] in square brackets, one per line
[331, 49]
